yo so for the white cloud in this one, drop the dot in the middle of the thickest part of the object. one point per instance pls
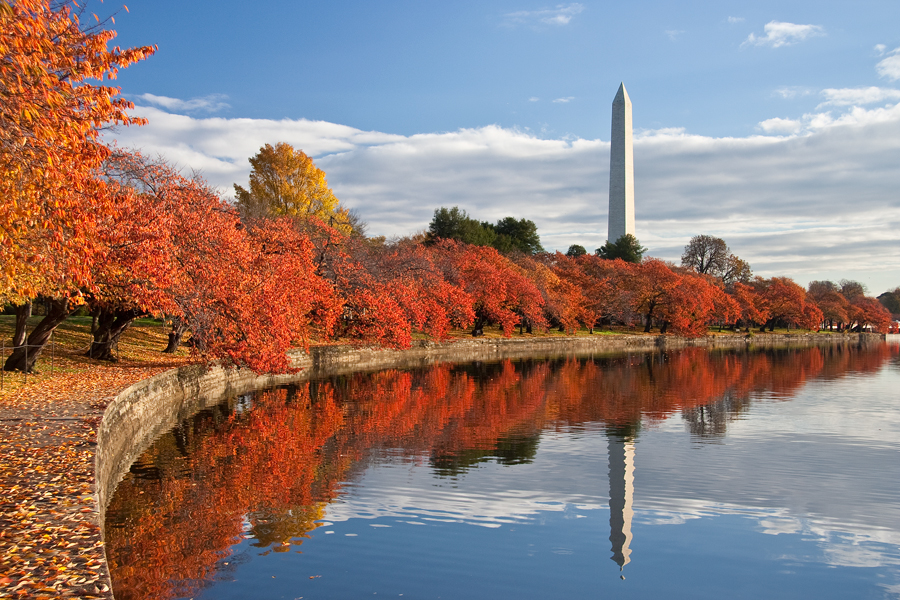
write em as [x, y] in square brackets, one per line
[879, 49]
[561, 15]
[791, 92]
[565, 100]
[858, 96]
[673, 34]
[818, 201]
[778, 125]
[890, 67]
[814, 122]
[735, 19]
[211, 103]
[779, 33]
[533, 99]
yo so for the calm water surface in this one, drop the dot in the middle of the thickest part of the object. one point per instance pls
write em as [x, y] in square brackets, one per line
[687, 474]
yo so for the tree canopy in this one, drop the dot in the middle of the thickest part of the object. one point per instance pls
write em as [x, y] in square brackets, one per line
[285, 182]
[710, 255]
[705, 254]
[50, 121]
[507, 235]
[891, 300]
[517, 234]
[627, 248]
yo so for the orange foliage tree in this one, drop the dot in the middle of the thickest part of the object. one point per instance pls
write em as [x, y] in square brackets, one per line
[693, 303]
[174, 247]
[387, 291]
[868, 313]
[834, 306]
[751, 306]
[786, 303]
[50, 119]
[500, 291]
[561, 296]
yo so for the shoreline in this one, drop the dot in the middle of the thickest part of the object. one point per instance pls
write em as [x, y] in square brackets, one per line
[130, 418]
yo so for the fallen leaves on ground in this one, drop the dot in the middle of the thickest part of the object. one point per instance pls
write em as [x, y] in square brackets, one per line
[50, 538]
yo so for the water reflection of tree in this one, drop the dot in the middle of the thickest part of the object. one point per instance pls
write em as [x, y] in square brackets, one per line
[769, 373]
[269, 472]
[709, 422]
[511, 450]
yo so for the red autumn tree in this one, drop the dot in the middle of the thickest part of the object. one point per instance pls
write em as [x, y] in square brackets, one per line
[561, 296]
[751, 306]
[834, 306]
[787, 303]
[597, 292]
[500, 291]
[387, 291]
[173, 247]
[693, 303]
[869, 312]
[409, 275]
[652, 286]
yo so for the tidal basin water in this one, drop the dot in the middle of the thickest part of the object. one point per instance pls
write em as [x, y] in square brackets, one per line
[686, 474]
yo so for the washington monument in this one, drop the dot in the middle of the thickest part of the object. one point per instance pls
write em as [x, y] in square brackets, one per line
[621, 169]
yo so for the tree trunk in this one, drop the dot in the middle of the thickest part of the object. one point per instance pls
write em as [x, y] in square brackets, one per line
[110, 326]
[95, 314]
[178, 329]
[649, 323]
[23, 312]
[478, 326]
[665, 326]
[25, 355]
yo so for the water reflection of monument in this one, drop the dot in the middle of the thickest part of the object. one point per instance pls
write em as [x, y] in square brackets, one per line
[621, 491]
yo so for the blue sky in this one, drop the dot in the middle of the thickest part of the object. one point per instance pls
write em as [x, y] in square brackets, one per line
[773, 125]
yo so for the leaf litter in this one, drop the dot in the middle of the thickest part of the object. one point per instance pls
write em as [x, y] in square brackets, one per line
[51, 542]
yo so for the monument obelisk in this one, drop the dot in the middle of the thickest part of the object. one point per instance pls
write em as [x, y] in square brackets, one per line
[621, 169]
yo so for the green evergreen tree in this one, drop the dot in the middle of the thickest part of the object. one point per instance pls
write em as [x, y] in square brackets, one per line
[627, 247]
[507, 235]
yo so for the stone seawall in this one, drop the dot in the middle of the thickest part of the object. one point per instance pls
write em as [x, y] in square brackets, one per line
[142, 412]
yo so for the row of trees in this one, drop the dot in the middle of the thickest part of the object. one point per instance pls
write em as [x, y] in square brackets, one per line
[83, 224]
[250, 285]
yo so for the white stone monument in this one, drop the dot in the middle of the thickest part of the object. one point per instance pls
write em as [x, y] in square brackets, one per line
[621, 169]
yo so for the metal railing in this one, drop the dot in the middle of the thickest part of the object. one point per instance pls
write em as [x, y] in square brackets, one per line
[51, 344]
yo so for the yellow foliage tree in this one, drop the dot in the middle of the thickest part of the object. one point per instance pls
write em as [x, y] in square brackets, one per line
[286, 182]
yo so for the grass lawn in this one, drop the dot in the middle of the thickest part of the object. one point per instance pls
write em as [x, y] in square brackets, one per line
[141, 345]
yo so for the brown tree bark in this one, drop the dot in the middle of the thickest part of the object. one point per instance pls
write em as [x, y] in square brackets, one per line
[179, 327]
[111, 324]
[23, 312]
[25, 355]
